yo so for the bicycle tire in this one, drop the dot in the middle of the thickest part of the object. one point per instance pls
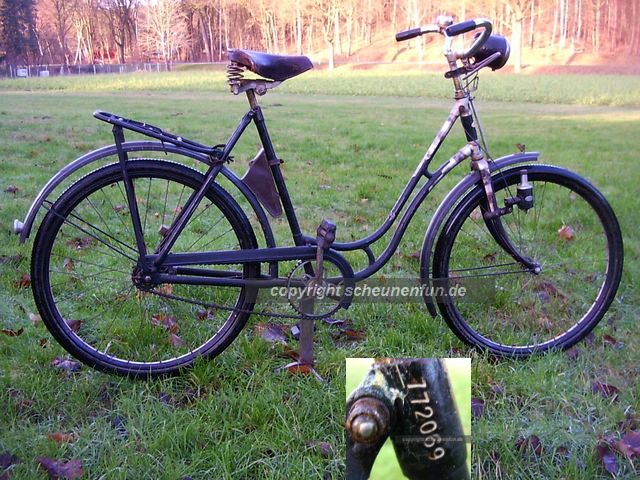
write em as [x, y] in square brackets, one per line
[542, 301]
[52, 234]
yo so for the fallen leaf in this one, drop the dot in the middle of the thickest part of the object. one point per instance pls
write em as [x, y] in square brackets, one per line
[203, 314]
[80, 242]
[297, 368]
[490, 257]
[566, 232]
[477, 407]
[323, 448]
[605, 390]
[562, 453]
[497, 388]
[176, 341]
[530, 446]
[74, 325]
[43, 342]
[178, 209]
[68, 265]
[34, 318]
[8, 460]
[59, 469]
[12, 333]
[60, 437]
[476, 214]
[608, 458]
[66, 364]
[166, 289]
[118, 208]
[118, 425]
[608, 339]
[11, 189]
[167, 322]
[354, 334]
[25, 281]
[629, 445]
[589, 338]
[290, 353]
[572, 353]
[271, 332]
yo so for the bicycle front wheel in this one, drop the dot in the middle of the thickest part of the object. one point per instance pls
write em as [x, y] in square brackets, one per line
[84, 266]
[571, 233]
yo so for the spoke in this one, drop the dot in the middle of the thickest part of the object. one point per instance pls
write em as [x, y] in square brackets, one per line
[103, 232]
[200, 237]
[113, 208]
[146, 210]
[67, 221]
[483, 268]
[219, 236]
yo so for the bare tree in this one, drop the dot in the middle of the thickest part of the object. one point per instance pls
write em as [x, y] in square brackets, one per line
[165, 30]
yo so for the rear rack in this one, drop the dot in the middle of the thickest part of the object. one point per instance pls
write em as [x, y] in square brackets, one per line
[216, 152]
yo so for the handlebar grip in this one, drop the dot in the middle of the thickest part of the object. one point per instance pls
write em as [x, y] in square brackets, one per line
[408, 34]
[460, 28]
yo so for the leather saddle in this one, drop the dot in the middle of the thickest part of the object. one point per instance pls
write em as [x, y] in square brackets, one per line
[273, 67]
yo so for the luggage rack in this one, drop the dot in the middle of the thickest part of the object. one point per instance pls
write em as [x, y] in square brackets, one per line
[215, 152]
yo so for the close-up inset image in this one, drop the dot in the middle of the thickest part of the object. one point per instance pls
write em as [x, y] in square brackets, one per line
[408, 418]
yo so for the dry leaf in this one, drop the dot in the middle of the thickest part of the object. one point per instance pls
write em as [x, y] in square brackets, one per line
[167, 322]
[163, 230]
[25, 281]
[605, 390]
[530, 446]
[34, 318]
[477, 407]
[12, 333]
[566, 232]
[68, 265]
[60, 437]
[608, 458]
[298, 368]
[11, 189]
[118, 208]
[271, 332]
[176, 341]
[629, 445]
[323, 448]
[59, 469]
[10, 259]
[66, 364]
[166, 289]
[74, 325]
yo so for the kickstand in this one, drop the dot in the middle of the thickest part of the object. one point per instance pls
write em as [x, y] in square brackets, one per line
[306, 359]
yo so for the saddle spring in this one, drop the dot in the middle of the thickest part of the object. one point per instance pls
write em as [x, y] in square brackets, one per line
[235, 73]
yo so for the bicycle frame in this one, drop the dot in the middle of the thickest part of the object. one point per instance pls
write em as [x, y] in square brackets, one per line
[303, 249]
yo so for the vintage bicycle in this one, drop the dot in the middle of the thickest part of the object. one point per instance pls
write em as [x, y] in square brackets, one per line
[144, 265]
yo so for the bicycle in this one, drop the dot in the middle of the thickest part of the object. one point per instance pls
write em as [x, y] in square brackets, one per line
[144, 265]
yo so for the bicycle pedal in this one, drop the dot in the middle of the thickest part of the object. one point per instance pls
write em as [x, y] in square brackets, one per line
[326, 234]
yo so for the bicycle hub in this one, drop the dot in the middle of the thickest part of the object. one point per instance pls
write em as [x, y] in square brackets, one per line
[410, 401]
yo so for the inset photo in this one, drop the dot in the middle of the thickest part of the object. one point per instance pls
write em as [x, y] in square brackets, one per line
[408, 418]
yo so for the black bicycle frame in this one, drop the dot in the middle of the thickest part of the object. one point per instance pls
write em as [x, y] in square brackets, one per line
[304, 248]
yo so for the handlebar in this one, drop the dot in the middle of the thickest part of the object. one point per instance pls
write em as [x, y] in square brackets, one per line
[446, 28]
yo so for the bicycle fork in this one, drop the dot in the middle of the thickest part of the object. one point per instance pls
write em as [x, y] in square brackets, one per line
[492, 213]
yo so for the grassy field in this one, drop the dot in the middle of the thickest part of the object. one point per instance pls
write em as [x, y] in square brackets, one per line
[235, 417]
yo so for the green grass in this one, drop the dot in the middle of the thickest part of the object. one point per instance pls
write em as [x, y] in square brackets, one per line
[556, 89]
[234, 417]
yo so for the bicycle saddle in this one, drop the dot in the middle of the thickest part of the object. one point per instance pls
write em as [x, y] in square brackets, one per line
[273, 67]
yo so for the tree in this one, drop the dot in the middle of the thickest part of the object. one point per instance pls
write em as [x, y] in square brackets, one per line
[165, 31]
[120, 15]
[19, 31]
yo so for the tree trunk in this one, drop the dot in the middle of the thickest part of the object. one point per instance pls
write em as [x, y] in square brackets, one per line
[298, 28]
[516, 42]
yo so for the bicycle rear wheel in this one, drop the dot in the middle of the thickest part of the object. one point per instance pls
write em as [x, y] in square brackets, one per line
[571, 232]
[84, 264]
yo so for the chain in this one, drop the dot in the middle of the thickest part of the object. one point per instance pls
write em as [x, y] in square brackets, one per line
[234, 309]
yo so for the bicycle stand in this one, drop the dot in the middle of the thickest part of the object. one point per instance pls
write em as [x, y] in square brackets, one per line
[325, 237]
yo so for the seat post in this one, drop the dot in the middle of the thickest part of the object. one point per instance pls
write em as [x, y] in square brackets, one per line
[251, 96]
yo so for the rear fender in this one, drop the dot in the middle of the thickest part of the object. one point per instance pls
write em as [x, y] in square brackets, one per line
[23, 229]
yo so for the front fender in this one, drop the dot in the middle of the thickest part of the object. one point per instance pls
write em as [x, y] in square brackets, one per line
[23, 229]
[449, 201]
